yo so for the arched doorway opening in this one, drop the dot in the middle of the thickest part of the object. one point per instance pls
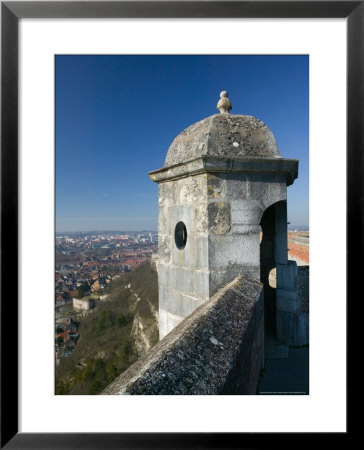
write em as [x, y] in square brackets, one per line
[273, 251]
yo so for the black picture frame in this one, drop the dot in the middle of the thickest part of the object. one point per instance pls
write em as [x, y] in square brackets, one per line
[11, 12]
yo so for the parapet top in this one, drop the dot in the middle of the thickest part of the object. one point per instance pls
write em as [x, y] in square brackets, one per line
[224, 105]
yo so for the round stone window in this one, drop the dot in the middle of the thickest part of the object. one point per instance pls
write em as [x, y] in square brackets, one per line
[180, 235]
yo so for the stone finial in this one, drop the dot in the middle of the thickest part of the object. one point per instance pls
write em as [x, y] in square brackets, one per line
[224, 105]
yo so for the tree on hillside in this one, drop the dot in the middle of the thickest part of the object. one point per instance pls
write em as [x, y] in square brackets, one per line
[84, 289]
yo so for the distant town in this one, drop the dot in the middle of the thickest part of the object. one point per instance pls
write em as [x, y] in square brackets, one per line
[86, 263]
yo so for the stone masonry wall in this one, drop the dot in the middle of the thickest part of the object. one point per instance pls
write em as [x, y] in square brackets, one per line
[221, 213]
[218, 349]
[183, 275]
[293, 305]
[236, 203]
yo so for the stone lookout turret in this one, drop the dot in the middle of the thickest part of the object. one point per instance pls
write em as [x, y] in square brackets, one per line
[223, 183]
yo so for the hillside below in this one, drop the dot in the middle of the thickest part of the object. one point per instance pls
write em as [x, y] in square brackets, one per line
[114, 335]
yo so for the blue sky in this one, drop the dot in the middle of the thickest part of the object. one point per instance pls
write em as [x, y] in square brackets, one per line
[116, 116]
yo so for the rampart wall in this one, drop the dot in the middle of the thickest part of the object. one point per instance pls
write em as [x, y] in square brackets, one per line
[217, 349]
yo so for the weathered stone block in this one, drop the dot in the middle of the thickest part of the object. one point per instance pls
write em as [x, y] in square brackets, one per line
[163, 220]
[185, 257]
[164, 248]
[167, 321]
[191, 189]
[178, 213]
[216, 186]
[237, 228]
[219, 217]
[202, 283]
[167, 194]
[246, 212]
[237, 186]
[225, 251]
[183, 305]
[202, 252]
[164, 293]
[201, 218]
[162, 322]
[268, 189]
[182, 279]
[163, 274]
[177, 302]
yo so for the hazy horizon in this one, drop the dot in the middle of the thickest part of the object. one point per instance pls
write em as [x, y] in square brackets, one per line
[100, 231]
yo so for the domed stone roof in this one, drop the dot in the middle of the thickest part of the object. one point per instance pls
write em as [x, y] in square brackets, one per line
[223, 135]
[225, 143]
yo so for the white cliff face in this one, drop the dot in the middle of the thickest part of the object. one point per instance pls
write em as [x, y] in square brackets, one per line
[145, 323]
[145, 333]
